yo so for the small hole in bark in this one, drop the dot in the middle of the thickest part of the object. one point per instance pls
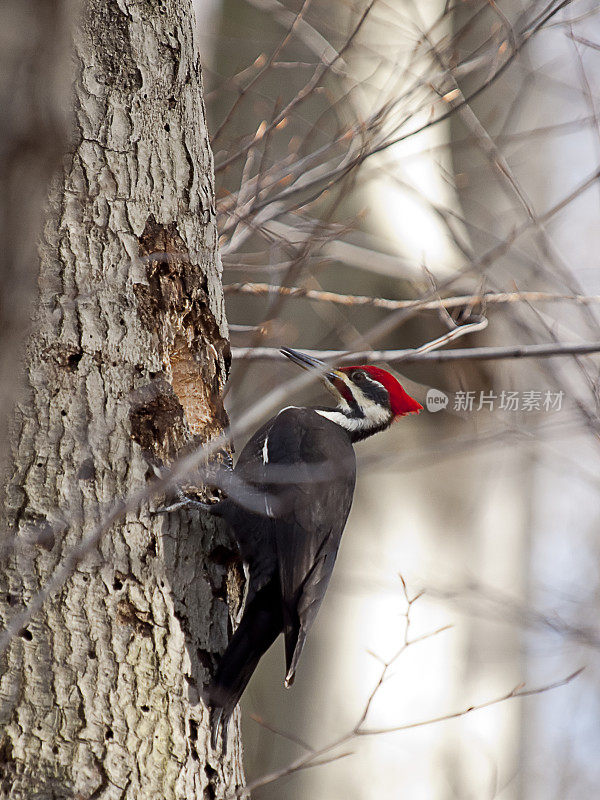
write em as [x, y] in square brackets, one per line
[224, 556]
[117, 584]
[27, 635]
[91, 653]
[205, 659]
[87, 470]
[172, 102]
[63, 413]
[145, 709]
[150, 474]
[6, 750]
[55, 749]
[74, 359]
[108, 734]
[167, 127]
[211, 775]
[193, 730]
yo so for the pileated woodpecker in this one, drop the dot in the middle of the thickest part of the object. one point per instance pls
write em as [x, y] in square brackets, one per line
[300, 468]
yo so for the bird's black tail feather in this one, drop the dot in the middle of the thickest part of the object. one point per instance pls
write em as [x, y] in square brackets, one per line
[294, 644]
[261, 624]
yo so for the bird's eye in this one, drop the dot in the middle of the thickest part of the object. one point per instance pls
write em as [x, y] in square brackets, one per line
[358, 376]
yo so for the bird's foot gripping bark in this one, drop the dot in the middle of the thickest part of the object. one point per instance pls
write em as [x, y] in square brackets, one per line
[183, 501]
[180, 499]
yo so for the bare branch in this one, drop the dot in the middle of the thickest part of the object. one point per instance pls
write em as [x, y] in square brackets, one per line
[327, 753]
[518, 691]
[489, 298]
[412, 355]
[308, 760]
[305, 92]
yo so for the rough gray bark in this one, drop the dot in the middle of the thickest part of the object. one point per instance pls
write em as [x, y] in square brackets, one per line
[99, 694]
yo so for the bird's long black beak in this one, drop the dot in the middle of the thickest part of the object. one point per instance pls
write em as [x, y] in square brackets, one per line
[308, 362]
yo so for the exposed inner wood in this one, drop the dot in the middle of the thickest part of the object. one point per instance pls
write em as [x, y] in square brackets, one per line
[190, 388]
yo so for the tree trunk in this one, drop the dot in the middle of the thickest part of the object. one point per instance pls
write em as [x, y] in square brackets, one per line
[99, 693]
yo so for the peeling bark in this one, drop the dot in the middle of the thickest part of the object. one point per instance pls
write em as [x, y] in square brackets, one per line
[100, 694]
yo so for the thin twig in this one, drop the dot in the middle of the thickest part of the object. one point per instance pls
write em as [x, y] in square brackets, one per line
[491, 298]
[413, 355]
[518, 691]
[309, 758]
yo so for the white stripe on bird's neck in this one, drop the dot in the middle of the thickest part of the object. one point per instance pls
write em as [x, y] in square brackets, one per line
[375, 416]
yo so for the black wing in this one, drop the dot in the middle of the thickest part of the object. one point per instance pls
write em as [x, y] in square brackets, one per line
[305, 473]
[311, 468]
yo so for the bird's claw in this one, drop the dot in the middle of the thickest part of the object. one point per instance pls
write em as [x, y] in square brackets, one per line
[183, 501]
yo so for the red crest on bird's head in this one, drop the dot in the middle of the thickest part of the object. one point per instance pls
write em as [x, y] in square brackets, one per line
[401, 402]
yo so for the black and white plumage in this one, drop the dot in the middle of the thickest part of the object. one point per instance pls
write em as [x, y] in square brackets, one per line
[302, 464]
